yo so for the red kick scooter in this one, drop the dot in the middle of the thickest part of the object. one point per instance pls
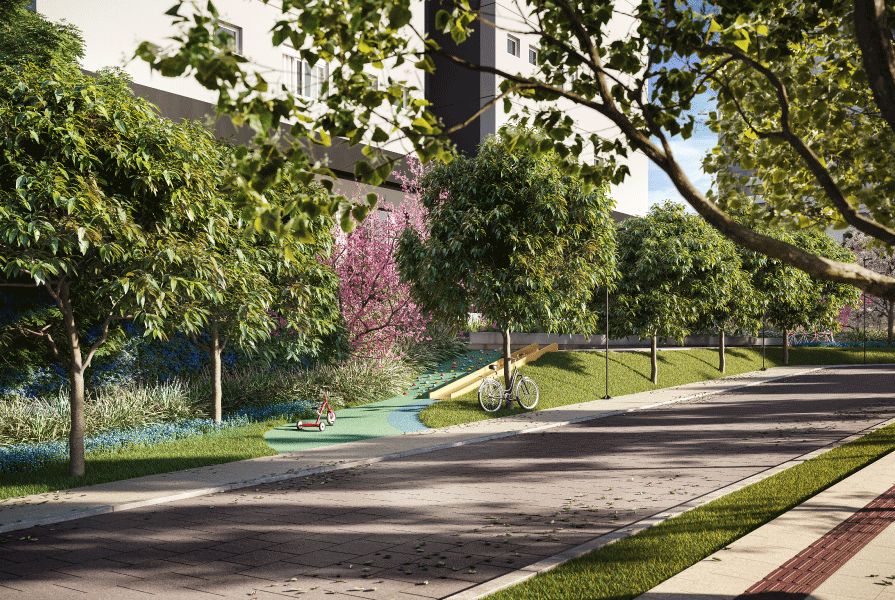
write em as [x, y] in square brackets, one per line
[319, 423]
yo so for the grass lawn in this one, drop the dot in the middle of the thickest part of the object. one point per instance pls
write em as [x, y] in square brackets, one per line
[573, 377]
[632, 566]
[239, 443]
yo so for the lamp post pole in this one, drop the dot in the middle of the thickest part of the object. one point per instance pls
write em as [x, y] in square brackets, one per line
[864, 298]
[764, 335]
[606, 346]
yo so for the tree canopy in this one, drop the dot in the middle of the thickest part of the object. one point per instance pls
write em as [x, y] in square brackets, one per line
[791, 298]
[264, 287]
[26, 37]
[673, 269]
[628, 80]
[101, 200]
[511, 237]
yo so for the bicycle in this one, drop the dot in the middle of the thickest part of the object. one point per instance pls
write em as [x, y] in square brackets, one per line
[492, 394]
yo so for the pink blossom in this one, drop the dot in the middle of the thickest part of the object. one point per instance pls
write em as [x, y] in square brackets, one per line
[376, 307]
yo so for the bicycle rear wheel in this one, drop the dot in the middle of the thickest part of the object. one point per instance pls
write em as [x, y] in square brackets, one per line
[490, 395]
[527, 393]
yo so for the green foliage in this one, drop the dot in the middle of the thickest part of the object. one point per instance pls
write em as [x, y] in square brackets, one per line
[791, 297]
[94, 185]
[102, 202]
[673, 270]
[36, 420]
[778, 58]
[26, 37]
[829, 105]
[510, 237]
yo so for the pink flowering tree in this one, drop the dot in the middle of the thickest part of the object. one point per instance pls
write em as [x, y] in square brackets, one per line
[882, 260]
[376, 307]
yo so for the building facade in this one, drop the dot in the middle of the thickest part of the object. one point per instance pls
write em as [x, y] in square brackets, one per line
[113, 29]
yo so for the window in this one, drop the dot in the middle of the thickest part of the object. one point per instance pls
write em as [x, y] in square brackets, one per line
[513, 45]
[232, 37]
[401, 101]
[32, 6]
[532, 55]
[303, 79]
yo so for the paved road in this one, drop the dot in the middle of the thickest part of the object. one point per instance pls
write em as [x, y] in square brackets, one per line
[431, 525]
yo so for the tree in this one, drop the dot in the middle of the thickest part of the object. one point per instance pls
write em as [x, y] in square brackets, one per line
[100, 199]
[263, 287]
[512, 238]
[673, 268]
[628, 81]
[790, 297]
[738, 306]
[845, 131]
[881, 260]
[377, 307]
[26, 37]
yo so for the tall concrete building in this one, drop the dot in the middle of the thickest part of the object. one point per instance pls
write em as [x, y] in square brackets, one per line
[113, 29]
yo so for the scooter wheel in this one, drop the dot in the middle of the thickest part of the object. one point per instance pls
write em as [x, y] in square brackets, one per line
[322, 426]
[331, 418]
[298, 426]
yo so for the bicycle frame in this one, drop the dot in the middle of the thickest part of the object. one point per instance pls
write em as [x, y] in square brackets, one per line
[514, 377]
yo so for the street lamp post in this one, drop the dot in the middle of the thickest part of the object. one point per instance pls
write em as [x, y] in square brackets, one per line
[864, 298]
[764, 335]
[606, 344]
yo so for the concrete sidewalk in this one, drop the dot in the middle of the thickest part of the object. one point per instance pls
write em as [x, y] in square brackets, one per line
[55, 507]
[835, 546]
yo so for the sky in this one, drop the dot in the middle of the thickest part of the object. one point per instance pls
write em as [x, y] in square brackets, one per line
[689, 153]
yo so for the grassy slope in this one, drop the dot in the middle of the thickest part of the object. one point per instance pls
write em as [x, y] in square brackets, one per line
[572, 377]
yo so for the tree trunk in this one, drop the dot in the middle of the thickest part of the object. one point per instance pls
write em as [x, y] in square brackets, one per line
[76, 462]
[506, 363]
[215, 350]
[76, 467]
[786, 346]
[654, 360]
[891, 321]
[722, 359]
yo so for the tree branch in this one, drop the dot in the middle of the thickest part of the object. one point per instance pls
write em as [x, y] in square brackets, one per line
[44, 333]
[105, 329]
[200, 344]
[849, 213]
[877, 53]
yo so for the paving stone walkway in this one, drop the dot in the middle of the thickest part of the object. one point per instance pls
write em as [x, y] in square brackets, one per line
[452, 522]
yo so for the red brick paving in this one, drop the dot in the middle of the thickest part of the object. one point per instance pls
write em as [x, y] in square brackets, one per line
[798, 577]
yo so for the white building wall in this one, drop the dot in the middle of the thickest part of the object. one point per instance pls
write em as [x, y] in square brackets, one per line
[114, 28]
[632, 196]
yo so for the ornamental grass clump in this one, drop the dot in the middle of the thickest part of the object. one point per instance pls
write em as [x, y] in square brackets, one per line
[27, 420]
[18, 458]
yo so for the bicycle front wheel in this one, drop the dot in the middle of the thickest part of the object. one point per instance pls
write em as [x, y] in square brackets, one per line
[490, 395]
[527, 393]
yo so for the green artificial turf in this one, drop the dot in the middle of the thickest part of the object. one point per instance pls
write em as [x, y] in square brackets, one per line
[572, 377]
[240, 443]
[634, 565]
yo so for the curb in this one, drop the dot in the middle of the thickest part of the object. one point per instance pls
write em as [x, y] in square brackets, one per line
[341, 465]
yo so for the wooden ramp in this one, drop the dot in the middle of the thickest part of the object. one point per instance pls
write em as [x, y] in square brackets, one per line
[471, 381]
